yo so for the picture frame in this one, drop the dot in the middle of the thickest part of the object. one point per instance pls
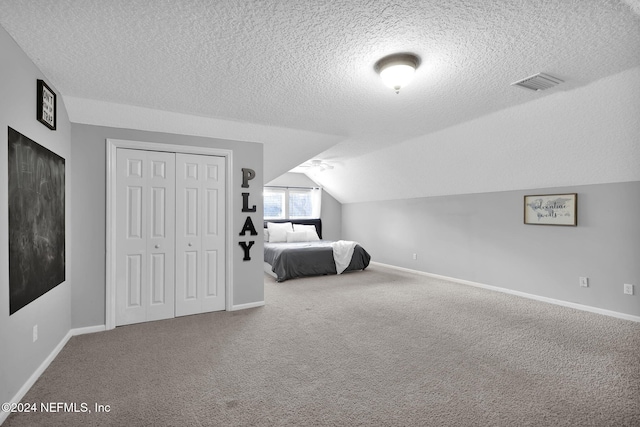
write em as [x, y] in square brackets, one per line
[46, 105]
[551, 209]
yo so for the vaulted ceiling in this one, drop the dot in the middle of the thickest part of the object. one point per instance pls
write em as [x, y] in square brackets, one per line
[298, 75]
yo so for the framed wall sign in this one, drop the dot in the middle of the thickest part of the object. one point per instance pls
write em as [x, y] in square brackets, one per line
[551, 209]
[46, 105]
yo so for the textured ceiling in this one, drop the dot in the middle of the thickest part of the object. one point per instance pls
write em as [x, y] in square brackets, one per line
[308, 65]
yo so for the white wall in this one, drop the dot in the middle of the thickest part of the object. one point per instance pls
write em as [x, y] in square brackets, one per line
[299, 145]
[19, 356]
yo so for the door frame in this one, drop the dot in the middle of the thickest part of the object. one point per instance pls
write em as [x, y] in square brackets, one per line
[111, 146]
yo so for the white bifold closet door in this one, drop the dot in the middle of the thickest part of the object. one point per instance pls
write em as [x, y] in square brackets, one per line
[145, 241]
[170, 243]
[200, 234]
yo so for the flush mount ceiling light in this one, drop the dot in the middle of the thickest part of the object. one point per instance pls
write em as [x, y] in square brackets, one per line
[397, 70]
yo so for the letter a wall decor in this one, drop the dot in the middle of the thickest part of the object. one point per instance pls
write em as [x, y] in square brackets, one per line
[36, 220]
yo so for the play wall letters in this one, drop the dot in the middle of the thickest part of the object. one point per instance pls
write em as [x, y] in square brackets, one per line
[247, 175]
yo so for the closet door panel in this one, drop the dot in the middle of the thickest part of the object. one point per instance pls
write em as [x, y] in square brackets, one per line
[188, 231]
[200, 219]
[145, 243]
[213, 238]
[161, 235]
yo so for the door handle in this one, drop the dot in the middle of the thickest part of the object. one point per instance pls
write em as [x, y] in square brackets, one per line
[157, 246]
[190, 244]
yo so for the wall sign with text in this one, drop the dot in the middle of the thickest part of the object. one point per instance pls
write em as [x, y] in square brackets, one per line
[46, 105]
[551, 209]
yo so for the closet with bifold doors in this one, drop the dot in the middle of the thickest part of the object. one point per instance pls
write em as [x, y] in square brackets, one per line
[170, 235]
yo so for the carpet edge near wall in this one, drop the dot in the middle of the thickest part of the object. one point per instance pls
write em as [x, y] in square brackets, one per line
[554, 301]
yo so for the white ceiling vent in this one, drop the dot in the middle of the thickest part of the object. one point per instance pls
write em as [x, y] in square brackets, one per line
[538, 81]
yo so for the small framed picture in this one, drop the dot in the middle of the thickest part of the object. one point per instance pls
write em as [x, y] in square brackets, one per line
[551, 209]
[46, 113]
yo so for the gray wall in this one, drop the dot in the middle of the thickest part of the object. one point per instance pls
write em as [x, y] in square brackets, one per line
[482, 238]
[19, 356]
[331, 217]
[331, 212]
[89, 207]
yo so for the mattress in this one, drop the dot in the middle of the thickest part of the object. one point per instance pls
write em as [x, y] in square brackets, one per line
[300, 259]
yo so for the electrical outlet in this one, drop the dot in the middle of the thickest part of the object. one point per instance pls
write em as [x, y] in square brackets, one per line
[628, 289]
[415, 256]
[584, 282]
[35, 333]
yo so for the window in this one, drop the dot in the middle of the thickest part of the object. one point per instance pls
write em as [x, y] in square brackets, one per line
[291, 203]
[274, 206]
[300, 204]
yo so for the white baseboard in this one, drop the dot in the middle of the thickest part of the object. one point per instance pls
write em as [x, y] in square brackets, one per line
[518, 293]
[88, 330]
[45, 364]
[248, 305]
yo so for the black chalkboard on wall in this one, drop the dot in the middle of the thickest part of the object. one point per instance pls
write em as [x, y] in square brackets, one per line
[36, 220]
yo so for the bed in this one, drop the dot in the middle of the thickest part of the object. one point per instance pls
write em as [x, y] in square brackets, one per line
[310, 255]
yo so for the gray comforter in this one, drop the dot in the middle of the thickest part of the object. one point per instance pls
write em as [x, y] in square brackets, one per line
[291, 260]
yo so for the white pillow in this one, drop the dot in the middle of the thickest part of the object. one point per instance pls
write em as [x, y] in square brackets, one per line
[297, 236]
[278, 231]
[266, 234]
[310, 229]
[312, 235]
[303, 227]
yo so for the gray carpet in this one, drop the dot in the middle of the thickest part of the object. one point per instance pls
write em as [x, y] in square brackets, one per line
[372, 348]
